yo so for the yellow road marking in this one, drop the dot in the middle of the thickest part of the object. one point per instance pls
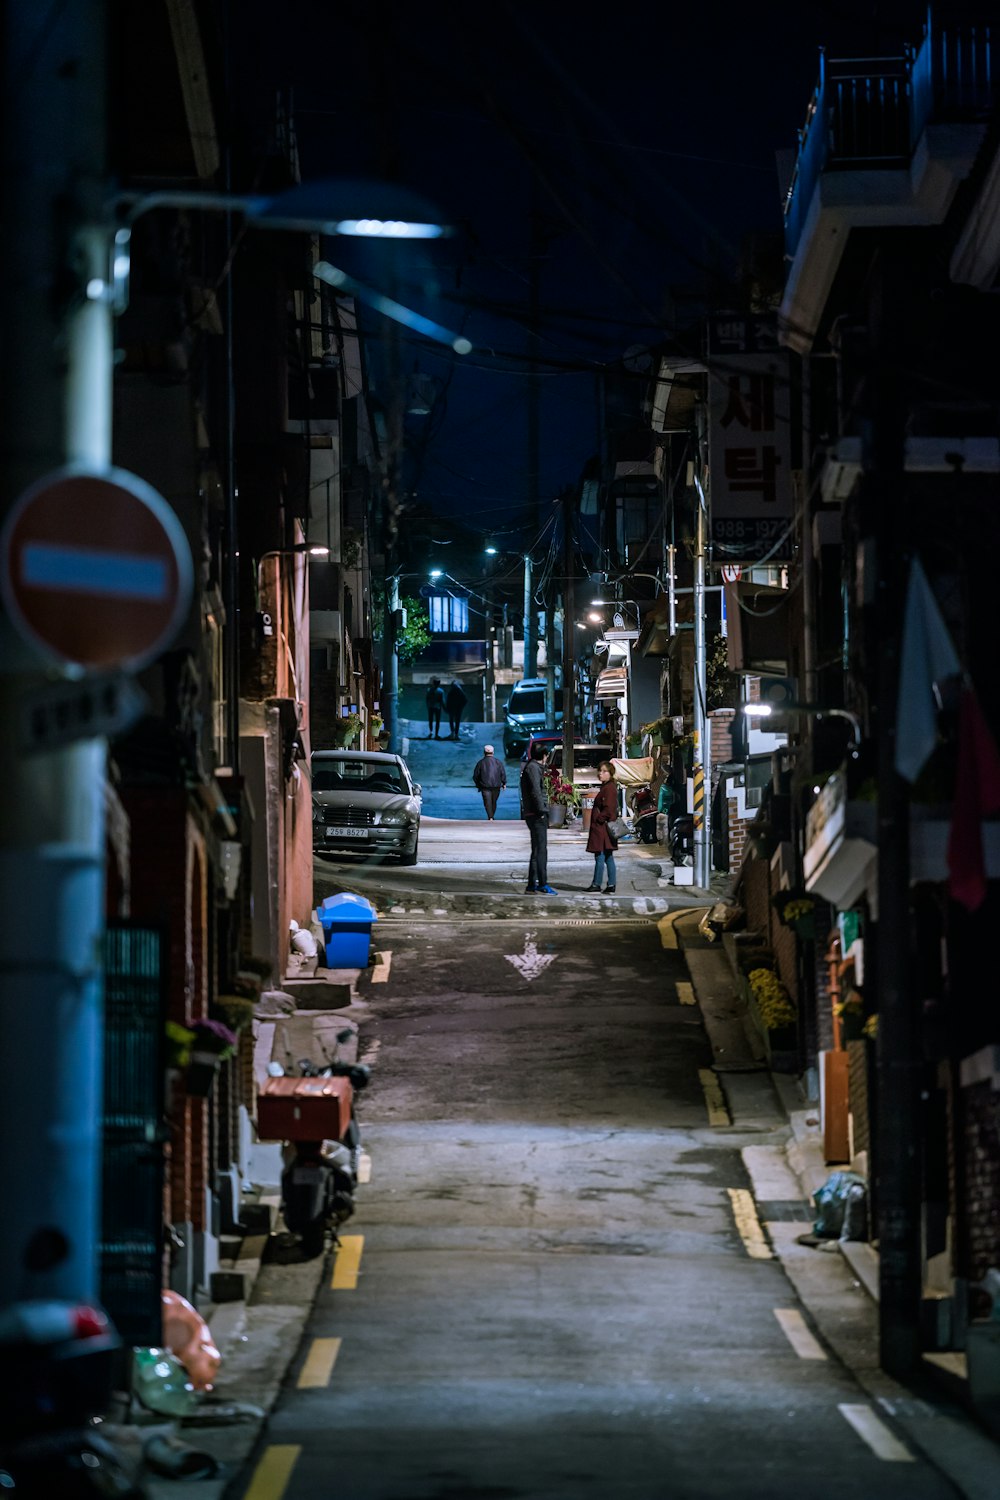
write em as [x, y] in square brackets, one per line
[319, 1364]
[882, 1442]
[715, 1101]
[383, 963]
[748, 1224]
[668, 936]
[347, 1263]
[793, 1326]
[365, 1168]
[271, 1476]
[685, 992]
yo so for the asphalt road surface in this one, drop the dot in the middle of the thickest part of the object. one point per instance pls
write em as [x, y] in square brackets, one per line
[551, 1289]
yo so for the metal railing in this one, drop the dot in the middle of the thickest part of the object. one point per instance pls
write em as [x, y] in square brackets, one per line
[871, 112]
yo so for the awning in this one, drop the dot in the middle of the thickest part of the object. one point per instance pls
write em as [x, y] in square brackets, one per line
[611, 683]
[633, 772]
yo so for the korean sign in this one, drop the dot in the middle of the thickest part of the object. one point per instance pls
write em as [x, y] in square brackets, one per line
[750, 450]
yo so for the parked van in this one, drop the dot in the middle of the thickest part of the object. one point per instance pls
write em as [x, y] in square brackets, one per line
[525, 714]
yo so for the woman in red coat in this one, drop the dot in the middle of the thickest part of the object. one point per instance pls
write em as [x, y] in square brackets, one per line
[600, 843]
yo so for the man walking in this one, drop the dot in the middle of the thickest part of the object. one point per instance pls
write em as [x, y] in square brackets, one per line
[454, 703]
[535, 812]
[490, 776]
[435, 707]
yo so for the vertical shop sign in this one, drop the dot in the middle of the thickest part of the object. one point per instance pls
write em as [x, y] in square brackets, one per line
[749, 441]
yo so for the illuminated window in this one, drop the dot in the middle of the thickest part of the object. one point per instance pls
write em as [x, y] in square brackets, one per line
[448, 616]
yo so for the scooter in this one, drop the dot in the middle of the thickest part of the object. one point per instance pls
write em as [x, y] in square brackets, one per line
[318, 1183]
[644, 815]
[56, 1364]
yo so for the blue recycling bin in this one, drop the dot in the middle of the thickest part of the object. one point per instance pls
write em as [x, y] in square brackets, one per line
[347, 922]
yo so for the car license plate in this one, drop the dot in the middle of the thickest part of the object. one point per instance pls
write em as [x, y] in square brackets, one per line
[347, 833]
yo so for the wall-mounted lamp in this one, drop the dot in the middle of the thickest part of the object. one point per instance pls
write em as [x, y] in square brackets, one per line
[764, 711]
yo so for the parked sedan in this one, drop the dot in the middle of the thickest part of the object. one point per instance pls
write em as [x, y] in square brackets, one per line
[365, 801]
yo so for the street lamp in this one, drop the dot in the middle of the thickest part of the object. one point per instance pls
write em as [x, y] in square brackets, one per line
[765, 710]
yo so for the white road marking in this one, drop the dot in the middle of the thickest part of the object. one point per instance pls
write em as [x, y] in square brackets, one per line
[530, 963]
[872, 1430]
[793, 1326]
[383, 963]
[365, 1167]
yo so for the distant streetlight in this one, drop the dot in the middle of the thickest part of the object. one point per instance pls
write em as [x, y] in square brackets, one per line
[490, 551]
[436, 573]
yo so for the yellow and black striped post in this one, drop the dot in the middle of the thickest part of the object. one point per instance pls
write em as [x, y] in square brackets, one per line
[699, 796]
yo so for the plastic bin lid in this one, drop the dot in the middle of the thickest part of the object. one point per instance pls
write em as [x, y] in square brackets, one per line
[345, 907]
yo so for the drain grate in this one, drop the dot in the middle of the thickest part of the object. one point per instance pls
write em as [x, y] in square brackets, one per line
[786, 1210]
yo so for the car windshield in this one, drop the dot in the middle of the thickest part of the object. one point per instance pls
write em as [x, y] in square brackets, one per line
[531, 701]
[585, 757]
[358, 776]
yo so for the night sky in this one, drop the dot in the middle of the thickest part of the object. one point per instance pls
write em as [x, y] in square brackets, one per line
[645, 137]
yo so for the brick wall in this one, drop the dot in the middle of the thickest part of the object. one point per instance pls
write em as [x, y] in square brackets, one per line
[980, 1125]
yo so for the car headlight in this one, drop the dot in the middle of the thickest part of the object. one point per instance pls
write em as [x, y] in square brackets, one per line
[394, 819]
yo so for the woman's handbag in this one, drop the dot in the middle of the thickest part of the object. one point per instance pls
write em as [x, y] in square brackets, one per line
[617, 828]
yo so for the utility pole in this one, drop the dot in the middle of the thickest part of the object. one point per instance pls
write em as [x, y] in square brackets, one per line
[569, 638]
[389, 702]
[702, 759]
[57, 319]
[534, 423]
[550, 659]
[897, 1163]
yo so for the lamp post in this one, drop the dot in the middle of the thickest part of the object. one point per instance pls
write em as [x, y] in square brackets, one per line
[816, 711]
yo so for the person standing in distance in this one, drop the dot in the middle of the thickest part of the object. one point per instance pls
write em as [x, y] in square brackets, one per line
[435, 707]
[454, 703]
[535, 812]
[490, 776]
[601, 843]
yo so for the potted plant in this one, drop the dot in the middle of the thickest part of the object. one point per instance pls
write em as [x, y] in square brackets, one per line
[346, 729]
[212, 1043]
[795, 908]
[562, 795]
[850, 1011]
[774, 1010]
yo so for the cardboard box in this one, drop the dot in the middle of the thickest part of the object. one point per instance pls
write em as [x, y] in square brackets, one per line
[304, 1109]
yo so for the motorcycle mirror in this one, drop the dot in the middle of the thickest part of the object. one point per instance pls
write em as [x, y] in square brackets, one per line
[275, 1070]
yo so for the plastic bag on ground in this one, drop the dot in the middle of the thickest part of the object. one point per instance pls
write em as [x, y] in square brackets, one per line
[842, 1207]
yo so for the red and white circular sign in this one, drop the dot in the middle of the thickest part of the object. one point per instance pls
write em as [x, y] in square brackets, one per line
[95, 569]
[732, 573]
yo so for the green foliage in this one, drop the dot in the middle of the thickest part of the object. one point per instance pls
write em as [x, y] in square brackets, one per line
[416, 633]
[721, 684]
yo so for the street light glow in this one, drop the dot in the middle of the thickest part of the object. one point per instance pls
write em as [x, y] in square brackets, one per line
[436, 572]
[491, 551]
[757, 710]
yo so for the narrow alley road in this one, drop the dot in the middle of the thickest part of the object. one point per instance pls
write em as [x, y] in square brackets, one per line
[551, 1290]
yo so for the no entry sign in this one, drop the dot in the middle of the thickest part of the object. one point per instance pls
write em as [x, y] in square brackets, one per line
[95, 569]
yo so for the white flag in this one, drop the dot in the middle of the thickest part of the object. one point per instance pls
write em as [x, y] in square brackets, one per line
[928, 657]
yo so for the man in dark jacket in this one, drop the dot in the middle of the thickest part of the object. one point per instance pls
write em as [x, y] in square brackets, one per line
[535, 812]
[454, 703]
[490, 776]
[435, 705]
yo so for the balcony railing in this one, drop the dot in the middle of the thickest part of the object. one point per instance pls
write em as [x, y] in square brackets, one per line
[871, 112]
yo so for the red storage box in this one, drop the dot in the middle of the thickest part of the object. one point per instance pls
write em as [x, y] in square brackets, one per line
[304, 1109]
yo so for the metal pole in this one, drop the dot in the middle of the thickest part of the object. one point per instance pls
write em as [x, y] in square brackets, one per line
[568, 637]
[702, 768]
[529, 665]
[52, 811]
[390, 687]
